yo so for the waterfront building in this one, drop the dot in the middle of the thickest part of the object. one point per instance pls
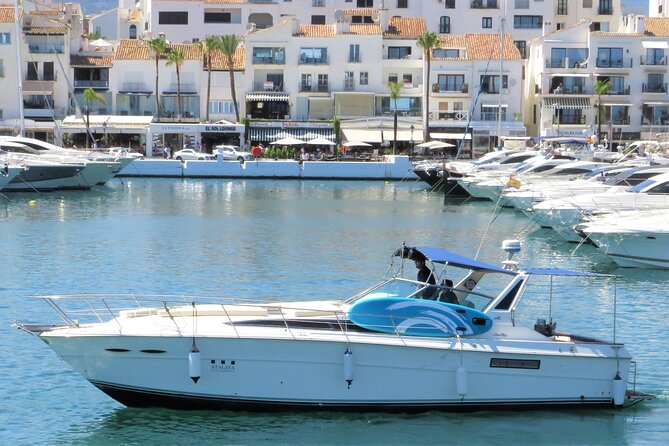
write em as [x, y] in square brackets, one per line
[565, 66]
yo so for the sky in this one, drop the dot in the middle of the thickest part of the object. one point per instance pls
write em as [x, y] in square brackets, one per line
[635, 6]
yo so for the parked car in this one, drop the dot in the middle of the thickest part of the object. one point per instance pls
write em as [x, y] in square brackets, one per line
[190, 154]
[231, 153]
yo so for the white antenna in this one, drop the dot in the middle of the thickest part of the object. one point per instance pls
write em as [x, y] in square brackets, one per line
[376, 17]
[339, 15]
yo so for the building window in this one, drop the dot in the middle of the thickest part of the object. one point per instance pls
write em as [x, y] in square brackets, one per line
[349, 80]
[221, 107]
[445, 53]
[562, 7]
[486, 22]
[364, 78]
[527, 21]
[450, 82]
[318, 20]
[173, 18]
[365, 3]
[407, 81]
[217, 17]
[450, 4]
[445, 24]
[605, 7]
[522, 4]
[5, 39]
[354, 53]
[315, 56]
[587, 3]
[318, 3]
[399, 52]
[392, 78]
[2, 68]
[402, 3]
[522, 47]
[610, 58]
[490, 83]
[132, 32]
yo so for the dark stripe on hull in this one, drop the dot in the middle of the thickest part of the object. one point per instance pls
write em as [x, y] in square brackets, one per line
[143, 398]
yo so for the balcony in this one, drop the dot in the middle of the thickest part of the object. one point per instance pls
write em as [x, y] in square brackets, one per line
[38, 86]
[566, 63]
[319, 88]
[46, 48]
[654, 88]
[401, 112]
[625, 120]
[652, 61]
[441, 88]
[571, 120]
[492, 116]
[136, 87]
[460, 115]
[614, 63]
[96, 85]
[605, 10]
[484, 4]
[268, 87]
[304, 60]
[276, 60]
[621, 92]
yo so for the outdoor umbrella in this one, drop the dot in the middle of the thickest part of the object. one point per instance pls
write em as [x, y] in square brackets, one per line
[356, 144]
[287, 142]
[320, 142]
[439, 145]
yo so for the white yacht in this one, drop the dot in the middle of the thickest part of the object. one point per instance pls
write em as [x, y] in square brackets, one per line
[400, 345]
[636, 239]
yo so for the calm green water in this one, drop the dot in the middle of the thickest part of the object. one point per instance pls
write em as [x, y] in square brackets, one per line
[290, 240]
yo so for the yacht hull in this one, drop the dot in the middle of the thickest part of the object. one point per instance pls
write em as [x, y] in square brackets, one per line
[634, 249]
[385, 374]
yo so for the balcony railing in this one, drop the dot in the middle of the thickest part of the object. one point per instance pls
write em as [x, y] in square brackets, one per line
[302, 60]
[276, 60]
[461, 115]
[566, 63]
[319, 88]
[614, 63]
[349, 86]
[91, 84]
[484, 4]
[267, 86]
[656, 61]
[624, 91]
[441, 88]
[656, 120]
[135, 86]
[605, 10]
[617, 121]
[492, 116]
[654, 88]
[571, 120]
[44, 48]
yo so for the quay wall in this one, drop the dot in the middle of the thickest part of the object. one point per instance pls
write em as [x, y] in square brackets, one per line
[391, 168]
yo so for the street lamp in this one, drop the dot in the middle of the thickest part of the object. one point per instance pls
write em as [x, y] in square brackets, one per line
[411, 128]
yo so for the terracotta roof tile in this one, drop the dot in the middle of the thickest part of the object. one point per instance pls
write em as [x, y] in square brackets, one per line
[132, 49]
[90, 61]
[365, 30]
[44, 30]
[405, 27]
[316, 31]
[486, 46]
[452, 41]
[657, 26]
[218, 62]
[45, 12]
[6, 14]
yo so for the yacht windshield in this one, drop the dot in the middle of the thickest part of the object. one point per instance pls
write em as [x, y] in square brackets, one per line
[641, 186]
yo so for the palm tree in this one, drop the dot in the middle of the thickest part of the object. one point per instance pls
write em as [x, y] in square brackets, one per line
[601, 87]
[208, 46]
[158, 46]
[428, 40]
[176, 57]
[229, 44]
[394, 89]
[91, 97]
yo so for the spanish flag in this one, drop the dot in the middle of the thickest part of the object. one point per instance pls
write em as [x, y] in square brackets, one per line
[513, 182]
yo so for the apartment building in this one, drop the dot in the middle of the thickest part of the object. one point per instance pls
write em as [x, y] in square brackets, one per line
[565, 66]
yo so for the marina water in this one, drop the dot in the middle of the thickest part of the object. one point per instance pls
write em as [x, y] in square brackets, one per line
[292, 240]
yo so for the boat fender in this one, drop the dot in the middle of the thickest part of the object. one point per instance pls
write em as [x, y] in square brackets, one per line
[618, 390]
[195, 364]
[348, 367]
[461, 383]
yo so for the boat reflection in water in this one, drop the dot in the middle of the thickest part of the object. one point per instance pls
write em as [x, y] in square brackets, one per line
[400, 345]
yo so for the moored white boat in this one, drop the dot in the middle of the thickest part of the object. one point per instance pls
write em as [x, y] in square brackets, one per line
[637, 239]
[415, 352]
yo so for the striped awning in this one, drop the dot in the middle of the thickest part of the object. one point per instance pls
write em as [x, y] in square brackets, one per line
[272, 134]
[266, 97]
[567, 102]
